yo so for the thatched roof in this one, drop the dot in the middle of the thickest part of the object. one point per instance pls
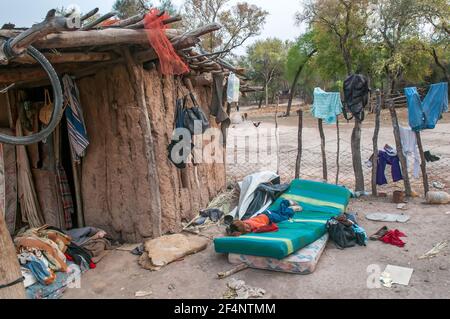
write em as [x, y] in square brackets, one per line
[84, 50]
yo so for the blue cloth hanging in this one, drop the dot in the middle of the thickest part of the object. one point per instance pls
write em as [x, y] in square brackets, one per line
[425, 114]
[327, 105]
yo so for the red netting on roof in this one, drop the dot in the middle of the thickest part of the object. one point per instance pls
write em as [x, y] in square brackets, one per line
[170, 62]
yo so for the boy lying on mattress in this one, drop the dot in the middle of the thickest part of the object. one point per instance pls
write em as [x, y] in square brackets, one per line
[265, 222]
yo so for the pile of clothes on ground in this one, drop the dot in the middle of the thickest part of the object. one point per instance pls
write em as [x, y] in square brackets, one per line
[52, 259]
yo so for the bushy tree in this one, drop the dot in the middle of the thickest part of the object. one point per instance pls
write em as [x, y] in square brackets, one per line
[239, 22]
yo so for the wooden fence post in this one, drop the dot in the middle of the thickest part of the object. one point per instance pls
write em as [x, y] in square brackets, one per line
[338, 150]
[300, 144]
[375, 144]
[400, 154]
[322, 147]
[423, 164]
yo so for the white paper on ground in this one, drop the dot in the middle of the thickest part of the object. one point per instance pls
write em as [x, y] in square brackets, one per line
[399, 275]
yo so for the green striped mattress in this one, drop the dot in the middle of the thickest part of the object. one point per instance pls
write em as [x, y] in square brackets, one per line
[320, 202]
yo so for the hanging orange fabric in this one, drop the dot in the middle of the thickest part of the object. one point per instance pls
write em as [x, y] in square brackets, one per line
[171, 63]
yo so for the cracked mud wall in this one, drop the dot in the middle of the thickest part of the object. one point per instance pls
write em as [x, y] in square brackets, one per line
[115, 180]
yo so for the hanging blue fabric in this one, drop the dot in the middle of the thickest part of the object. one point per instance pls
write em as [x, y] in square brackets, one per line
[327, 105]
[425, 114]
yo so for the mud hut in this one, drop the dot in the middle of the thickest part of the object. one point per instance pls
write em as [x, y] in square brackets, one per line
[125, 183]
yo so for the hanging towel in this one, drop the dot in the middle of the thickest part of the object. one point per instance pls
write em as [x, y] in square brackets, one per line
[75, 120]
[410, 148]
[233, 88]
[66, 196]
[425, 114]
[327, 105]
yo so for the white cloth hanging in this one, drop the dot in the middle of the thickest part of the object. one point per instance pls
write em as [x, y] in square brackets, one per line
[233, 88]
[410, 148]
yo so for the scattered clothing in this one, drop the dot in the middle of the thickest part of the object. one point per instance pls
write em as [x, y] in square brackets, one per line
[37, 267]
[327, 105]
[430, 157]
[380, 233]
[212, 213]
[383, 217]
[393, 237]
[410, 148]
[345, 232]
[425, 114]
[385, 159]
[390, 150]
[285, 212]
[265, 192]
[93, 240]
[75, 121]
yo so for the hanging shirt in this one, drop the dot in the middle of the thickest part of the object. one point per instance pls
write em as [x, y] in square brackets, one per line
[327, 105]
[233, 88]
[410, 148]
[425, 114]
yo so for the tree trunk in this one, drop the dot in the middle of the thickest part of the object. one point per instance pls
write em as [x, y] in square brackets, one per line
[356, 156]
[322, 147]
[400, 154]
[298, 163]
[267, 94]
[439, 64]
[9, 266]
[294, 83]
[375, 144]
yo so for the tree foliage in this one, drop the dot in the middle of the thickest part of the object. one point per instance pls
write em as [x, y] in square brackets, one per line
[239, 22]
[129, 8]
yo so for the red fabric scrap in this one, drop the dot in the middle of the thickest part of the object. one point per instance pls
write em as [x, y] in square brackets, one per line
[92, 265]
[393, 237]
[171, 63]
[69, 258]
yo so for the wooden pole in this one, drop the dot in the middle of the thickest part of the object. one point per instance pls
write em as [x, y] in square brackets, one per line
[277, 140]
[9, 266]
[375, 143]
[322, 147]
[400, 154]
[298, 163]
[356, 156]
[338, 150]
[135, 71]
[423, 164]
[77, 187]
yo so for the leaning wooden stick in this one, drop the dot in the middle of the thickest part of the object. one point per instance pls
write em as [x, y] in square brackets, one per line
[375, 144]
[300, 144]
[238, 268]
[322, 147]
[338, 150]
[400, 154]
[423, 164]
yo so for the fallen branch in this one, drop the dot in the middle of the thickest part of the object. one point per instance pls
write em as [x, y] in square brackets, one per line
[238, 268]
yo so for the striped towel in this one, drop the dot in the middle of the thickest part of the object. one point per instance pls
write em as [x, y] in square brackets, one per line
[66, 196]
[75, 121]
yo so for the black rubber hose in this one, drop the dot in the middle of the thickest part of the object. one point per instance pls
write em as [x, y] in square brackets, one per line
[58, 100]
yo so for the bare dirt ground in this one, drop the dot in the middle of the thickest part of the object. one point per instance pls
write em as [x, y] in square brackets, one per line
[340, 273]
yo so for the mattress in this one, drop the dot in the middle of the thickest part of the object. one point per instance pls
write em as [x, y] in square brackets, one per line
[320, 202]
[302, 262]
